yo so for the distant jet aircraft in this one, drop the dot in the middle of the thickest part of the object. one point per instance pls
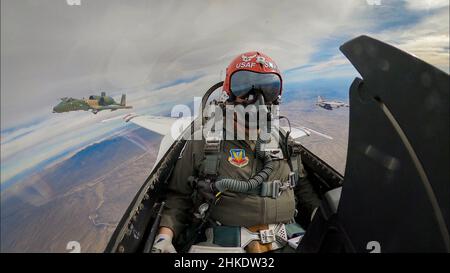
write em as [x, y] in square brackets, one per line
[329, 105]
[93, 103]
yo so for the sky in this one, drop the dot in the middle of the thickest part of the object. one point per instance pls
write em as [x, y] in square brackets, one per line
[162, 53]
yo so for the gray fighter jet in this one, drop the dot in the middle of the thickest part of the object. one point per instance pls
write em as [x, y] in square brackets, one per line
[329, 105]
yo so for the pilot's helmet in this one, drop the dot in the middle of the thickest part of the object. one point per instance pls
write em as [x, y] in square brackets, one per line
[252, 72]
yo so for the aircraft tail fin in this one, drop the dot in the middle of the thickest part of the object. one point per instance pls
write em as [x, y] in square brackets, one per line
[123, 100]
[319, 99]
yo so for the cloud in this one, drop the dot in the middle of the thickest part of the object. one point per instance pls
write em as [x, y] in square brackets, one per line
[336, 60]
[428, 39]
[162, 53]
[424, 33]
[25, 147]
[51, 50]
[426, 4]
[336, 66]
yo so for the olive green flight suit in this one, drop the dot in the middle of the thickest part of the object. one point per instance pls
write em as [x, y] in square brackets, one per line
[235, 209]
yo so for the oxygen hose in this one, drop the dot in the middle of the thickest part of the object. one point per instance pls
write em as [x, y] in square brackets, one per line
[229, 184]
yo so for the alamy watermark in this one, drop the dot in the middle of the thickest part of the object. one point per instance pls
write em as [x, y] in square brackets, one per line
[373, 2]
[73, 247]
[227, 121]
[73, 2]
[374, 247]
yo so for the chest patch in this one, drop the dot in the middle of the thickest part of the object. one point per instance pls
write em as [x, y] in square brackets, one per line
[238, 158]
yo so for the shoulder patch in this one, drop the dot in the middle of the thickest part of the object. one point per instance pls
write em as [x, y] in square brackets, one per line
[238, 158]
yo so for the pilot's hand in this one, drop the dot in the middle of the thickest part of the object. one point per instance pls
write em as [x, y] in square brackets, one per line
[163, 244]
[207, 190]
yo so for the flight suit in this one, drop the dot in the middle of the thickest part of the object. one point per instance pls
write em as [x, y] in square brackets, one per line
[235, 209]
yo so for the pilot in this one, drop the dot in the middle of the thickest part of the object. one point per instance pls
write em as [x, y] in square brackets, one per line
[233, 192]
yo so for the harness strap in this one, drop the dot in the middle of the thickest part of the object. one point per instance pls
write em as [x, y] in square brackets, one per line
[266, 236]
[212, 154]
[274, 188]
[295, 161]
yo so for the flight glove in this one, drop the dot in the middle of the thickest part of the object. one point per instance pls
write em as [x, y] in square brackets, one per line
[207, 190]
[163, 244]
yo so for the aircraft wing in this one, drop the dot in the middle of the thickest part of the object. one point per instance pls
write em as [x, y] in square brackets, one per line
[170, 128]
[111, 107]
[160, 125]
[301, 131]
[166, 126]
[296, 132]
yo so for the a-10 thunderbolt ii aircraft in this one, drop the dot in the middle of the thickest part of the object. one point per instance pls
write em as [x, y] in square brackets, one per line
[329, 105]
[93, 103]
[395, 193]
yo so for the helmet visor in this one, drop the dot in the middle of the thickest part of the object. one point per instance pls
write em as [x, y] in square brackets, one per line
[243, 82]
